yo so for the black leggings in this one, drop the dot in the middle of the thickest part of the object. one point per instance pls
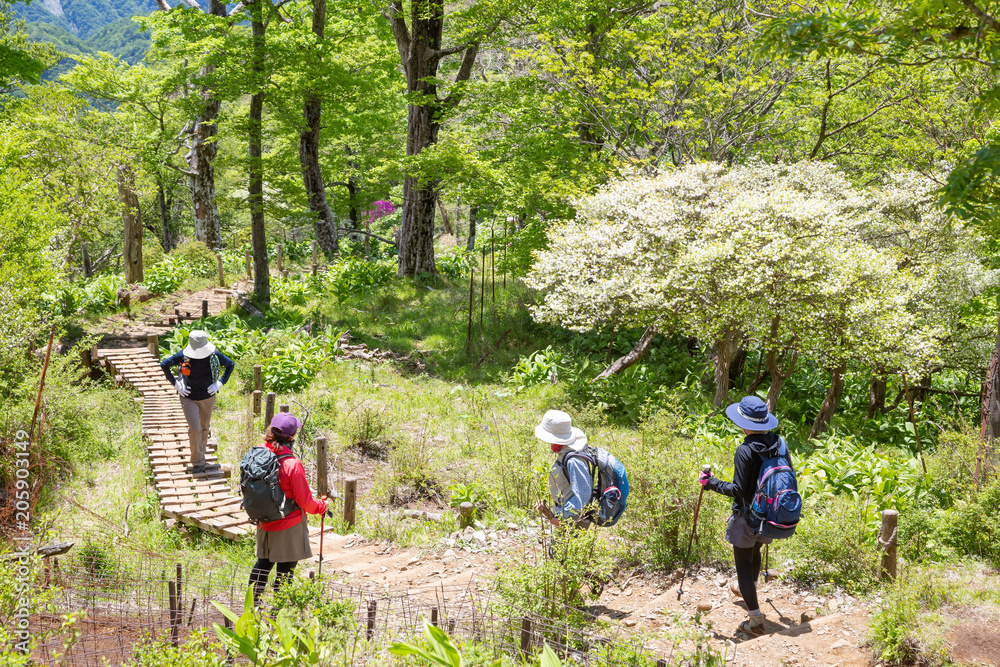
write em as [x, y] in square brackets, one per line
[747, 572]
[262, 569]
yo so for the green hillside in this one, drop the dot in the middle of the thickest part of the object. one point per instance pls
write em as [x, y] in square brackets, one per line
[82, 17]
[123, 39]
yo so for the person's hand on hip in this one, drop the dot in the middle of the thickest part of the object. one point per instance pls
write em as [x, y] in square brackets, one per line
[182, 387]
[214, 388]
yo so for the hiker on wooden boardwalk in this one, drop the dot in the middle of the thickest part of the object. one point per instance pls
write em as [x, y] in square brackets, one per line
[203, 371]
[282, 528]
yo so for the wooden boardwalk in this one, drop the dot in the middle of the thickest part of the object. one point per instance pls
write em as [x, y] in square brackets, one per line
[204, 500]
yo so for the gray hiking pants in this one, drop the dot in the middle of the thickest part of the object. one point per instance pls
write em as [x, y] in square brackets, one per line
[199, 418]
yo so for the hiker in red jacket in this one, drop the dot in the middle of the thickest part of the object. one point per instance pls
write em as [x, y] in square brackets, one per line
[286, 541]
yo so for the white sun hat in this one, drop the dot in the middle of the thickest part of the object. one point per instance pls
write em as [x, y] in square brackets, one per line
[557, 429]
[198, 346]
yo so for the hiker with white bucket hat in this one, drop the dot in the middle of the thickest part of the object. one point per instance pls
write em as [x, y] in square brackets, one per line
[203, 372]
[570, 480]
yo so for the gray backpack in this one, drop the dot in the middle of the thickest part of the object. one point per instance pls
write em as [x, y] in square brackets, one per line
[263, 499]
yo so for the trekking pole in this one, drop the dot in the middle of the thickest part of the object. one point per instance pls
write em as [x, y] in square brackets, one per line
[694, 528]
[322, 530]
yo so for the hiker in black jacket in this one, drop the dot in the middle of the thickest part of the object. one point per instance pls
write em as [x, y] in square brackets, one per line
[752, 416]
[203, 372]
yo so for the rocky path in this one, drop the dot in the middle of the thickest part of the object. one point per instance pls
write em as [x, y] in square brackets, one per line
[805, 628]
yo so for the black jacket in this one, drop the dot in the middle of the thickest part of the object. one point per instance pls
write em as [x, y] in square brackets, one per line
[746, 469]
[201, 373]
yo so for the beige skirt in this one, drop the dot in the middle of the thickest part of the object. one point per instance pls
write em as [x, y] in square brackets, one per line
[285, 546]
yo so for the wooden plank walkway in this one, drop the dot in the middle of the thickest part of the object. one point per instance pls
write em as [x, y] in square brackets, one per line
[204, 499]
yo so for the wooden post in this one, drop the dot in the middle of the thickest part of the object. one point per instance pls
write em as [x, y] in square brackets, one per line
[525, 635]
[278, 249]
[258, 383]
[372, 611]
[322, 487]
[172, 598]
[661, 663]
[315, 270]
[85, 360]
[268, 409]
[350, 498]
[249, 259]
[256, 401]
[315, 254]
[887, 540]
[472, 292]
[222, 275]
[177, 314]
[284, 407]
[87, 271]
[434, 616]
[153, 342]
[204, 308]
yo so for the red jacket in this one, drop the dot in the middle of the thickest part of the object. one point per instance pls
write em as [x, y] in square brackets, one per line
[292, 480]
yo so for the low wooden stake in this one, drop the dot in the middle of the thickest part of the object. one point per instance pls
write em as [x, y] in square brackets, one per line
[172, 600]
[153, 343]
[258, 383]
[322, 486]
[372, 611]
[434, 616]
[204, 308]
[350, 498]
[887, 540]
[284, 407]
[256, 401]
[268, 409]
[222, 274]
[525, 635]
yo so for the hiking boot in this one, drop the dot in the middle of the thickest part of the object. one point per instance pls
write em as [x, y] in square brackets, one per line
[198, 468]
[753, 626]
[734, 586]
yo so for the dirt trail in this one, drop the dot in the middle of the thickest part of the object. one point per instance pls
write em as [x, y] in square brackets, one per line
[154, 316]
[642, 603]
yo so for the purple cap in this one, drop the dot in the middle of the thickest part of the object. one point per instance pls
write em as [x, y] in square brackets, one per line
[284, 424]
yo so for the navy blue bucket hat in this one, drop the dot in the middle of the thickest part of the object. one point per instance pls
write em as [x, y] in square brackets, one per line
[751, 413]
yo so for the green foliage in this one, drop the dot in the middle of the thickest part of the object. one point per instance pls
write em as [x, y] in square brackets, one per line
[898, 629]
[167, 275]
[454, 263]
[197, 651]
[290, 292]
[199, 257]
[356, 277]
[536, 368]
[974, 527]
[556, 585]
[442, 652]
[307, 597]
[293, 366]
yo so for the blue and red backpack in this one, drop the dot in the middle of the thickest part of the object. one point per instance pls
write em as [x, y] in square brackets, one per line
[777, 505]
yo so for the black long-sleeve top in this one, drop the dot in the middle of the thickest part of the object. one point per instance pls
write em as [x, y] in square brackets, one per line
[746, 469]
[201, 373]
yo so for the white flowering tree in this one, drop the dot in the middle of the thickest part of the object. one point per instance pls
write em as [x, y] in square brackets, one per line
[773, 253]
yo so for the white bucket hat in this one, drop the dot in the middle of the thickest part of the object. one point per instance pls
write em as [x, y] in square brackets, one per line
[557, 429]
[198, 346]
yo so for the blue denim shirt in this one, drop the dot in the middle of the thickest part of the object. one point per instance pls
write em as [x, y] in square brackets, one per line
[570, 485]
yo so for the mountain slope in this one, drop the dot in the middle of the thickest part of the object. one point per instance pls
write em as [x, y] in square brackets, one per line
[82, 17]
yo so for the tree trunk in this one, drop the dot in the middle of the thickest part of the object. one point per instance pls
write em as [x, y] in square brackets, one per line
[470, 243]
[829, 407]
[201, 133]
[419, 45]
[777, 376]
[161, 200]
[633, 356]
[132, 219]
[725, 351]
[312, 176]
[445, 223]
[876, 396]
[990, 405]
[261, 271]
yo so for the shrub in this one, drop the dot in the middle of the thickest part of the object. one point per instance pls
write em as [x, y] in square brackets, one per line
[167, 275]
[974, 526]
[352, 276]
[152, 253]
[293, 366]
[101, 294]
[288, 292]
[833, 543]
[199, 257]
[454, 263]
[898, 634]
[538, 367]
